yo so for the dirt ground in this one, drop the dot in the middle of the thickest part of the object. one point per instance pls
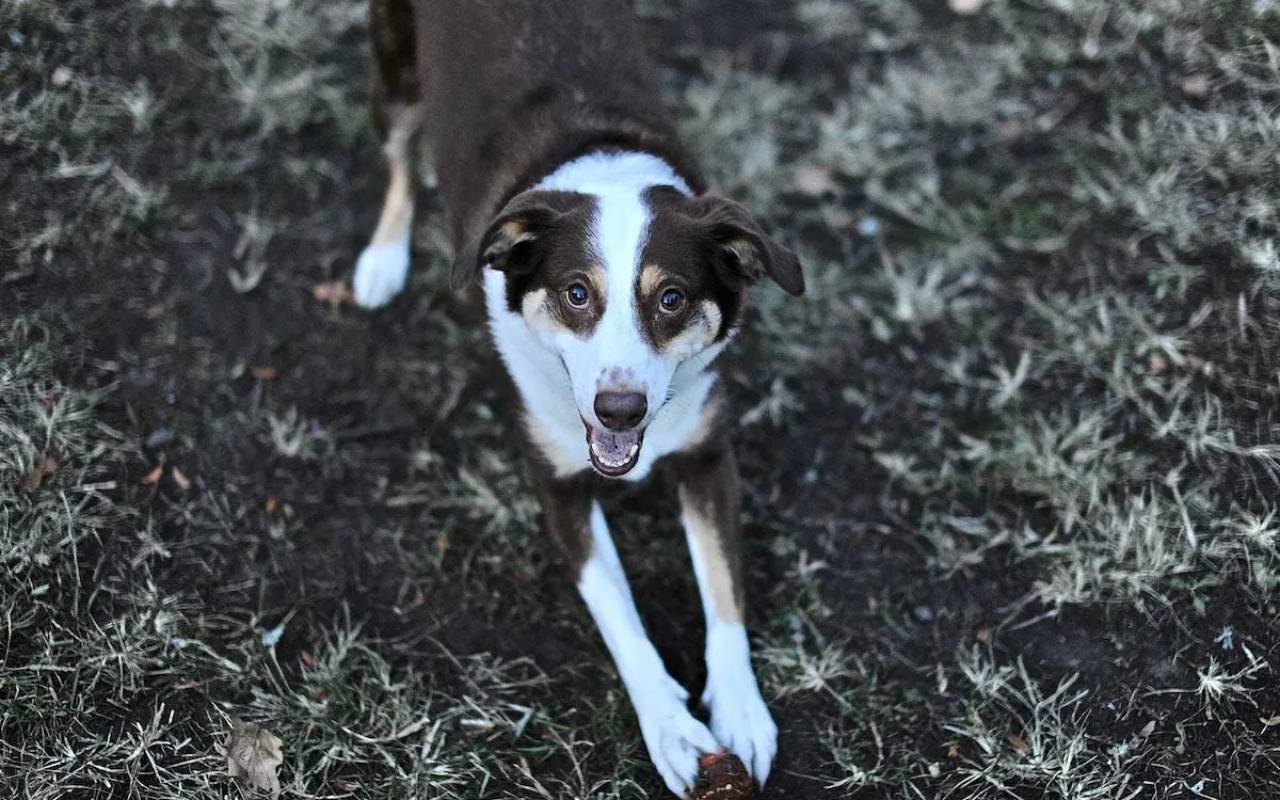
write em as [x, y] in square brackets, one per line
[1011, 465]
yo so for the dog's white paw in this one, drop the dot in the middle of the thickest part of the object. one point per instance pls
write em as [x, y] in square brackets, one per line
[674, 738]
[381, 272]
[740, 720]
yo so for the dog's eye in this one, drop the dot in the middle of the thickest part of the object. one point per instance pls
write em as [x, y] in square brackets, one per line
[577, 296]
[672, 300]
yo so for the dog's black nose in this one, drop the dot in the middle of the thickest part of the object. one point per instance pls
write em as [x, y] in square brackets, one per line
[621, 410]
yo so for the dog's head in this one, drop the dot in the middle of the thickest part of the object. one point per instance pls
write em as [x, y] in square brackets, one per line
[634, 291]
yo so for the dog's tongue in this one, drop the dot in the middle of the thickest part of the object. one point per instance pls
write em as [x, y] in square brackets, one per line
[614, 448]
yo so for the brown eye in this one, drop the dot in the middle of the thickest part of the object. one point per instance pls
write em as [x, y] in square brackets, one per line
[671, 301]
[577, 296]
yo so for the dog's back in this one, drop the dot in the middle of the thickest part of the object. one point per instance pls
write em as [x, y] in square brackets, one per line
[511, 88]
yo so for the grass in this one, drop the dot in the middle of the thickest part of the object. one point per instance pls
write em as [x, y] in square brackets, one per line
[1011, 465]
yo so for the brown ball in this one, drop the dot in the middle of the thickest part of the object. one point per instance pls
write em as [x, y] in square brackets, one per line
[721, 776]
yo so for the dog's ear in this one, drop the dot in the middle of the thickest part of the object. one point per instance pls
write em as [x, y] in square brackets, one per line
[741, 252]
[513, 241]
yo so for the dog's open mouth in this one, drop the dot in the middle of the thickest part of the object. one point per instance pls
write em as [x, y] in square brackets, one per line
[613, 453]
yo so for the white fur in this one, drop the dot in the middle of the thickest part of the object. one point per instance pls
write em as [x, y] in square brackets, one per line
[672, 735]
[381, 272]
[740, 719]
[559, 373]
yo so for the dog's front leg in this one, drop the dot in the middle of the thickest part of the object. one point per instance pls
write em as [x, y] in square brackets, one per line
[710, 502]
[672, 735]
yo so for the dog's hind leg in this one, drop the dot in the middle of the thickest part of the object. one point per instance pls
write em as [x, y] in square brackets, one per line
[710, 505]
[383, 266]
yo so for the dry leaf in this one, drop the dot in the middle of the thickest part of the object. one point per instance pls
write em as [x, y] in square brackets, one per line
[1270, 722]
[1018, 744]
[42, 470]
[153, 477]
[983, 635]
[264, 373]
[184, 483]
[966, 7]
[253, 757]
[271, 505]
[335, 293]
[1148, 729]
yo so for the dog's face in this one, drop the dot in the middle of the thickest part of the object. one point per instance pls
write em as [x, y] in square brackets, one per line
[632, 292]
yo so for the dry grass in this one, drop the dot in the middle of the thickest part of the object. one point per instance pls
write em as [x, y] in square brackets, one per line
[1012, 464]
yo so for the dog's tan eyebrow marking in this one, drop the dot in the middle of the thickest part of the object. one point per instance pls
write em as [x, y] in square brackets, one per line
[599, 282]
[651, 278]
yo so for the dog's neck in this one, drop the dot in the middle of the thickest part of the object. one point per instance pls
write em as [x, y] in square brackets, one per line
[618, 181]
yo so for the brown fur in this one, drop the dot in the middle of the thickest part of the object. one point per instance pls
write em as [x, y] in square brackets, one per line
[506, 101]
[711, 498]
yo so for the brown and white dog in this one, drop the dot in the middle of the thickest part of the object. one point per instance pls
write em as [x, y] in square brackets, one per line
[612, 280]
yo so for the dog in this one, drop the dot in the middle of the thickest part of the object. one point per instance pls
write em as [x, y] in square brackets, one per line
[612, 279]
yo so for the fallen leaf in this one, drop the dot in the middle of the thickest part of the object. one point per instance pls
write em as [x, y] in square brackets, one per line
[983, 635]
[1148, 729]
[253, 757]
[184, 483]
[40, 471]
[153, 477]
[1018, 744]
[335, 293]
[264, 373]
[1198, 86]
[1270, 722]
[271, 505]
[966, 7]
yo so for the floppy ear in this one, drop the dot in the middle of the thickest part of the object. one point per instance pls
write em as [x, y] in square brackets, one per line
[744, 252]
[512, 241]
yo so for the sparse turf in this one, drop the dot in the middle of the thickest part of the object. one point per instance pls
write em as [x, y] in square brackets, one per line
[1012, 464]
